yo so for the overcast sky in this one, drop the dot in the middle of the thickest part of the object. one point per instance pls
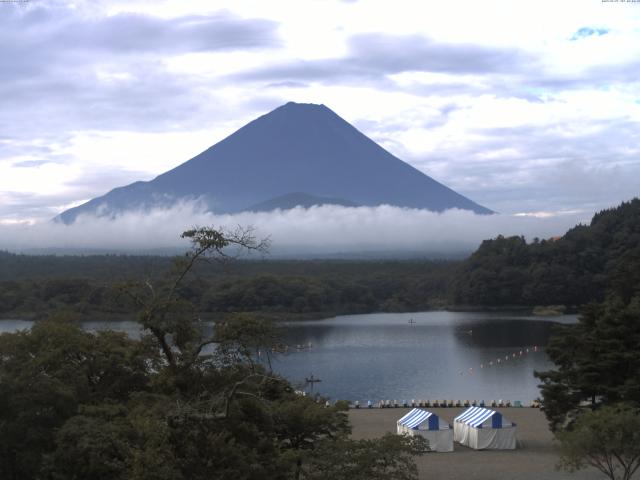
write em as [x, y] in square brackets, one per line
[523, 106]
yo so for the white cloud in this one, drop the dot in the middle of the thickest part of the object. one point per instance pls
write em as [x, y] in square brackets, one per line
[80, 114]
[317, 230]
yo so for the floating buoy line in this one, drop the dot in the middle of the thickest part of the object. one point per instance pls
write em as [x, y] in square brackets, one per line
[501, 360]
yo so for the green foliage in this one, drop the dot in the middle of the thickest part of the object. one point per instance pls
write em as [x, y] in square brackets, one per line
[180, 403]
[300, 422]
[575, 269]
[46, 374]
[607, 439]
[597, 360]
[102, 437]
[300, 288]
[388, 457]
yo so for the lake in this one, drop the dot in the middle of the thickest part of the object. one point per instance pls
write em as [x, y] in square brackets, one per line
[405, 356]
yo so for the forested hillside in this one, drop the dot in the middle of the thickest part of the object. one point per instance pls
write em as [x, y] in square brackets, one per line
[30, 285]
[575, 269]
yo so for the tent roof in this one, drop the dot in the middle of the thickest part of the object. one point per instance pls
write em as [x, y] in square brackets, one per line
[415, 417]
[475, 416]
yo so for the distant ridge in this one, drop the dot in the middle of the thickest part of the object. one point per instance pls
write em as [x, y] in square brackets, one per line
[297, 199]
[301, 148]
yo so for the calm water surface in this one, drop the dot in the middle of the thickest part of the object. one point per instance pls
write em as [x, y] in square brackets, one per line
[384, 356]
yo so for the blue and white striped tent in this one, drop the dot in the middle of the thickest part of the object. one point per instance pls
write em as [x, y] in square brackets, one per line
[428, 425]
[482, 428]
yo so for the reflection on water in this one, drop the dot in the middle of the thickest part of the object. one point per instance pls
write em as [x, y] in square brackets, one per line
[441, 355]
[504, 333]
[387, 356]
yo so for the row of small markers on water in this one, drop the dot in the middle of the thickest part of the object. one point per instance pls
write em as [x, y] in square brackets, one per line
[506, 358]
[307, 346]
[445, 404]
[430, 404]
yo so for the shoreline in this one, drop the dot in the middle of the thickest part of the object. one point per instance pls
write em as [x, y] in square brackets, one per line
[309, 316]
[534, 459]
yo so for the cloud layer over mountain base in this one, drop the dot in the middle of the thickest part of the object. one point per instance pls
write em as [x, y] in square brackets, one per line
[320, 230]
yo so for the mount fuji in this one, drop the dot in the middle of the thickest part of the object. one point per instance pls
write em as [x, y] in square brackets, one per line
[297, 154]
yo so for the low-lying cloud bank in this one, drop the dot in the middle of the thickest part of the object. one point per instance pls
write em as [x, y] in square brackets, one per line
[321, 230]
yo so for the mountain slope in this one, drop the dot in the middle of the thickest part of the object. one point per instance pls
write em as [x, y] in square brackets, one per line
[303, 148]
[297, 199]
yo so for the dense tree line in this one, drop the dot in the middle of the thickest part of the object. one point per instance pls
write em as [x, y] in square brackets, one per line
[109, 268]
[572, 270]
[303, 288]
[575, 269]
[592, 396]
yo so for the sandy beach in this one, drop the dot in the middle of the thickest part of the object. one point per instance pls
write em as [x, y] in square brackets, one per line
[535, 458]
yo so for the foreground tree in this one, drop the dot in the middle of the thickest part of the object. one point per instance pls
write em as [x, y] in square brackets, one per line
[592, 399]
[47, 373]
[99, 435]
[597, 359]
[183, 402]
[388, 457]
[607, 439]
